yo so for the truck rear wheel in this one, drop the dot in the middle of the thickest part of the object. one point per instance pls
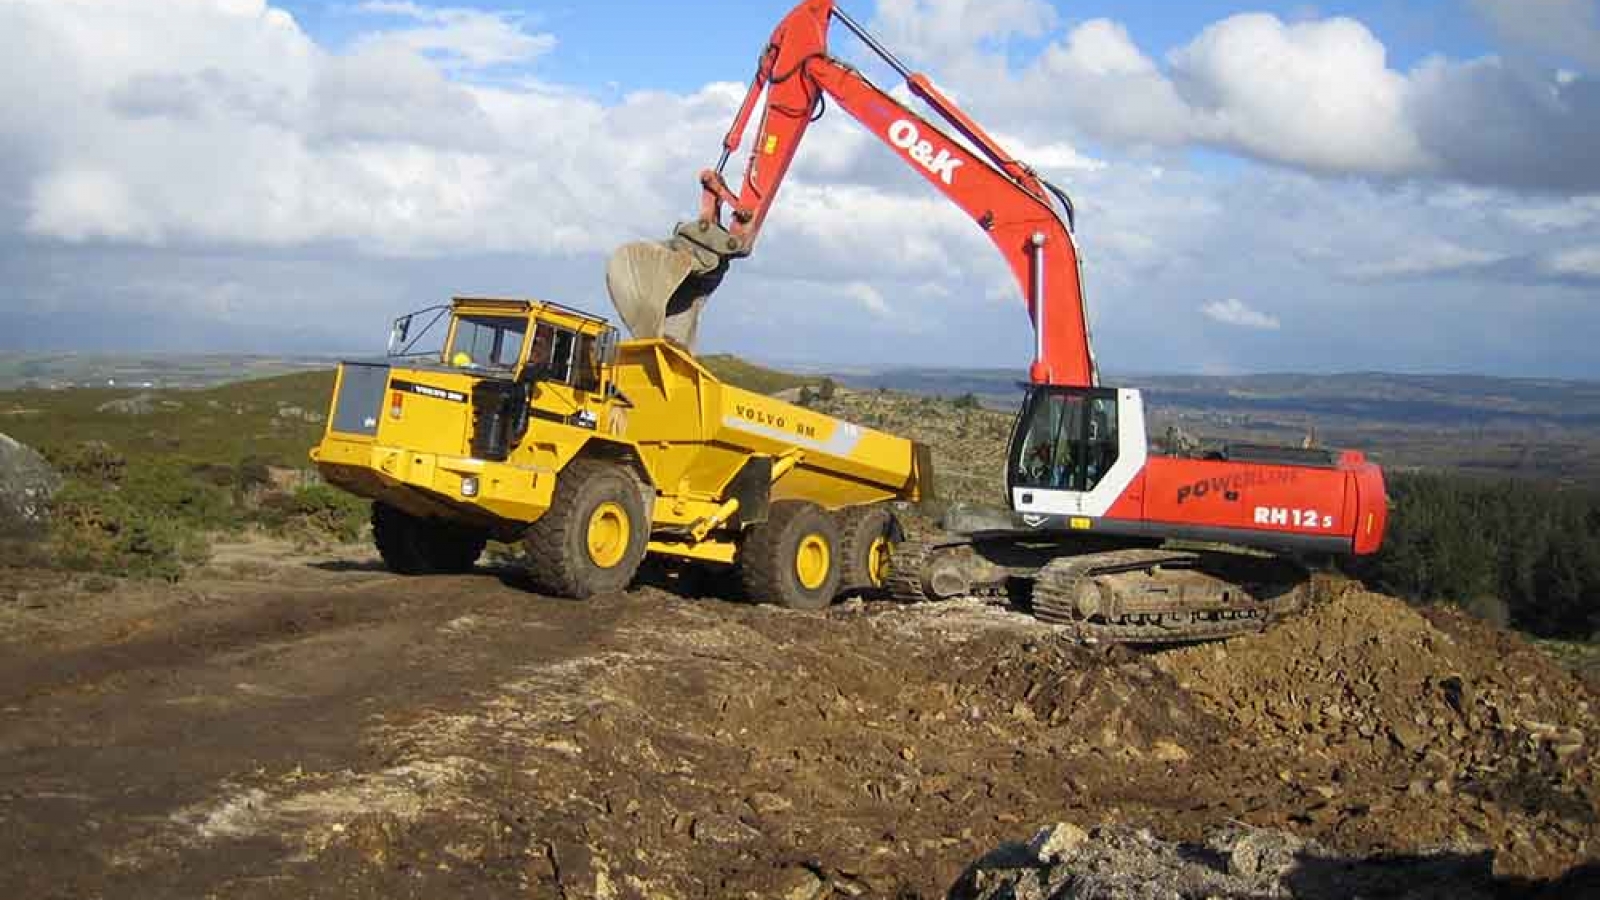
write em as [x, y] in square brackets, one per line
[411, 545]
[793, 558]
[594, 535]
[867, 536]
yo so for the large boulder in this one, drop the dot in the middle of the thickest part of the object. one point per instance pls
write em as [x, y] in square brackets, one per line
[1065, 862]
[26, 485]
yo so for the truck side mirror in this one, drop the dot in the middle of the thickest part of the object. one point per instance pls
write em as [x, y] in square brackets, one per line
[398, 334]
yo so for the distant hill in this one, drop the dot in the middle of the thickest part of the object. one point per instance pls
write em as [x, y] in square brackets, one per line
[1541, 428]
[1399, 398]
[143, 371]
[753, 377]
[153, 371]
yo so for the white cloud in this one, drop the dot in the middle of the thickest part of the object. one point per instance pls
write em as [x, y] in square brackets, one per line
[1318, 95]
[1234, 312]
[932, 28]
[1542, 218]
[76, 204]
[202, 123]
[1577, 263]
[870, 298]
[463, 38]
[1059, 156]
[1103, 84]
[1428, 257]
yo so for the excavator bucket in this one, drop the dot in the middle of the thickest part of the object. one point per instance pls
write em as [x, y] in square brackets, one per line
[659, 290]
[641, 278]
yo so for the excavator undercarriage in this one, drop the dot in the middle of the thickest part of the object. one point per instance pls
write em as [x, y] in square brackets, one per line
[1107, 594]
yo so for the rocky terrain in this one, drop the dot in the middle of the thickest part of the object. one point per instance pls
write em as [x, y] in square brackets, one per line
[292, 725]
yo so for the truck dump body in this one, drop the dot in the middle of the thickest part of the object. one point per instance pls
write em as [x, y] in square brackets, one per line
[702, 431]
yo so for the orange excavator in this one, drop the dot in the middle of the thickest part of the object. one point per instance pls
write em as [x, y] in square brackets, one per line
[1101, 534]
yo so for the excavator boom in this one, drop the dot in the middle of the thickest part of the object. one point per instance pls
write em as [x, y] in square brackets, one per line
[660, 288]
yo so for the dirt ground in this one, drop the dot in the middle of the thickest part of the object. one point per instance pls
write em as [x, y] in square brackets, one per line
[292, 725]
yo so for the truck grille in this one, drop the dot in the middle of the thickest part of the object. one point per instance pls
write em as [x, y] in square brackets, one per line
[359, 405]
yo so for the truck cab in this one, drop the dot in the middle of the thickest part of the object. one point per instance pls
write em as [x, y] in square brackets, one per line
[461, 390]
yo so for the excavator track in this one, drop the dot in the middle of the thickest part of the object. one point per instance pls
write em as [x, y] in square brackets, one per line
[904, 582]
[1164, 596]
[930, 571]
[1059, 589]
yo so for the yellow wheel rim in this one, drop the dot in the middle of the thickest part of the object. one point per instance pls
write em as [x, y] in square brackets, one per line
[608, 535]
[878, 561]
[812, 560]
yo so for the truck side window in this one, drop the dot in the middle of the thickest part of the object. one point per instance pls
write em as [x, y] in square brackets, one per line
[564, 356]
[586, 368]
[561, 356]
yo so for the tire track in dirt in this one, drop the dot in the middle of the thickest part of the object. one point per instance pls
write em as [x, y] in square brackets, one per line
[108, 749]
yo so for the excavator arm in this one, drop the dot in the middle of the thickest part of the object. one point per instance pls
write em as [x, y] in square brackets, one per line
[660, 288]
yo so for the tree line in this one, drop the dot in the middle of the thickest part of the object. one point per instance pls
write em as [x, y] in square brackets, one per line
[1516, 552]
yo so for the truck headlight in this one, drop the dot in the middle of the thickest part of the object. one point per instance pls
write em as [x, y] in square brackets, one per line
[469, 486]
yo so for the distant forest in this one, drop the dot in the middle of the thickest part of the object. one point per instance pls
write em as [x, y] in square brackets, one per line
[1516, 552]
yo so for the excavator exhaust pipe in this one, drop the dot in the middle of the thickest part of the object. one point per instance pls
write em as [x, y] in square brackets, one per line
[659, 288]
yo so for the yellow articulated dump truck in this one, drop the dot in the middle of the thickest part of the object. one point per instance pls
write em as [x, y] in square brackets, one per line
[533, 422]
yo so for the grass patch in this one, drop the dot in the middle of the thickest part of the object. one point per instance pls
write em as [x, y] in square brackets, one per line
[151, 475]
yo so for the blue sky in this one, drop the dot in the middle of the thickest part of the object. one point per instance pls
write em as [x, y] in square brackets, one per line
[618, 43]
[1405, 186]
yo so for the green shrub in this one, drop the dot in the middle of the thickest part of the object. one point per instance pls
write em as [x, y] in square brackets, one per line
[167, 488]
[94, 461]
[95, 529]
[316, 511]
[253, 472]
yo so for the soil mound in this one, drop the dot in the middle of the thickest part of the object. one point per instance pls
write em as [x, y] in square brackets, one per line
[1364, 687]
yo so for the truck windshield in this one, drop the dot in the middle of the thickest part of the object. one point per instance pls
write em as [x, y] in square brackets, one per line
[488, 342]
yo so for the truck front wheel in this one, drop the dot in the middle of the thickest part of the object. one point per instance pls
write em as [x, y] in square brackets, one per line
[411, 545]
[594, 535]
[792, 558]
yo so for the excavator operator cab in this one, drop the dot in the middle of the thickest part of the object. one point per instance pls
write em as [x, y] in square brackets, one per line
[1072, 448]
[1066, 439]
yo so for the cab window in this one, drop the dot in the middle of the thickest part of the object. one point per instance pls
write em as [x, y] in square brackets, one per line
[487, 342]
[1069, 442]
[564, 356]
